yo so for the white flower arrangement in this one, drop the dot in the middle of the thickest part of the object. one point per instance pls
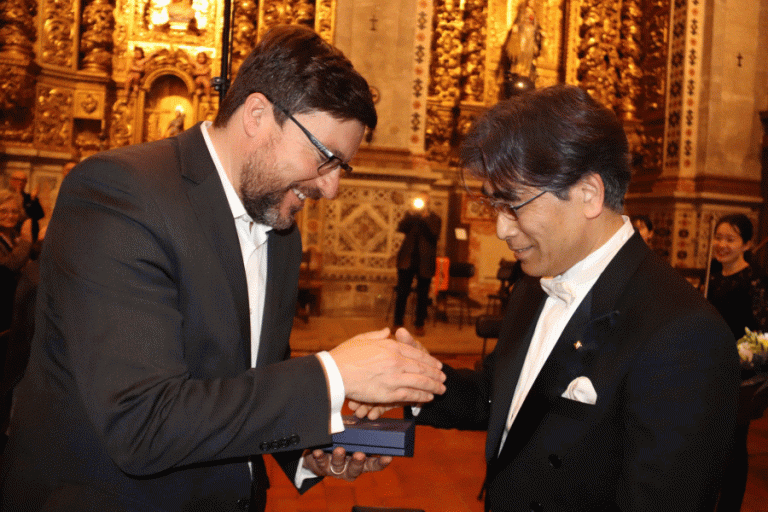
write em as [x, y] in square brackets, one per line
[753, 349]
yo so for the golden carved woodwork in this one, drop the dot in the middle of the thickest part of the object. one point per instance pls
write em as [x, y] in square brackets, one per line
[325, 19]
[96, 41]
[17, 28]
[89, 104]
[53, 117]
[121, 123]
[445, 68]
[277, 12]
[192, 25]
[616, 51]
[244, 30]
[58, 34]
[17, 87]
[87, 142]
[474, 33]
[16, 99]
[599, 61]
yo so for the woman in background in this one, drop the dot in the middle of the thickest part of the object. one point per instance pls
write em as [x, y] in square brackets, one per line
[736, 288]
[738, 292]
[14, 253]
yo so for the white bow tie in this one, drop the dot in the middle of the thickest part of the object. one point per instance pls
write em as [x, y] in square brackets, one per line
[558, 290]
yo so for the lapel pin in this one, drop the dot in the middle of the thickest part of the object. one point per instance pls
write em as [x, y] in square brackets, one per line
[577, 345]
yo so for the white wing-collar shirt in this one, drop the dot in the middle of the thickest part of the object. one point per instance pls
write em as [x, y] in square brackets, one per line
[565, 293]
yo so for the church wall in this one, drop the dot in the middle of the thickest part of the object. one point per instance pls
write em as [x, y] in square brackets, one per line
[730, 145]
[688, 81]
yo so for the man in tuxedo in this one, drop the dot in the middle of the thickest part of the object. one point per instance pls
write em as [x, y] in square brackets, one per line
[613, 386]
[159, 372]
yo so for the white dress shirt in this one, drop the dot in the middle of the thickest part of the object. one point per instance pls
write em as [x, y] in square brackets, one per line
[566, 292]
[253, 244]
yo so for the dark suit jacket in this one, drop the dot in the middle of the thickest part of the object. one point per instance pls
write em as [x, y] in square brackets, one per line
[665, 369]
[421, 233]
[138, 395]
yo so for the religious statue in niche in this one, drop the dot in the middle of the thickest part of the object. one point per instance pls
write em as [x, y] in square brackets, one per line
[135, 70]
[176, 15]
[521, 48]
[176, 126]
[201, 70]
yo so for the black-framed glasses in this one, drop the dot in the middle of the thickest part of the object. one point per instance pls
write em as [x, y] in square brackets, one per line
[509, 210]
[333, 162]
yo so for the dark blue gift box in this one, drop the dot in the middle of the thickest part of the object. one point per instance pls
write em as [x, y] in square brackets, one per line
[384, 436]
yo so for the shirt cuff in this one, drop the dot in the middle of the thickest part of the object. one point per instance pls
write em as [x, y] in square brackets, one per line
[302, 474]
[335, 390]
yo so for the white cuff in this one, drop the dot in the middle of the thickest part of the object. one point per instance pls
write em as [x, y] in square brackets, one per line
[302, 474]
[335, 390]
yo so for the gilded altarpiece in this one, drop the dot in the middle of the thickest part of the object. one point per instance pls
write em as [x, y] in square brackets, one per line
[167, 50]
[76, 84]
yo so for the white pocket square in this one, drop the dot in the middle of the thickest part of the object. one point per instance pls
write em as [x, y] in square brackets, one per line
[581, 390]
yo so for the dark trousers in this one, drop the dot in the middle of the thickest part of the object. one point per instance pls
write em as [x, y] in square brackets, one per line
[404, 281]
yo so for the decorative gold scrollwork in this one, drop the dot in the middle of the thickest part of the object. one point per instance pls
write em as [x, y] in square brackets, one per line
[96, 41]
[53, 120]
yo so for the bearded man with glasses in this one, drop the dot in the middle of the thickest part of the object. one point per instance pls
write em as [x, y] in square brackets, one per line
[160, 370]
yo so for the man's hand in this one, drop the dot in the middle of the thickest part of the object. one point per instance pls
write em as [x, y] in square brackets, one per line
[375, 411]
[340, 465]
[378, 370]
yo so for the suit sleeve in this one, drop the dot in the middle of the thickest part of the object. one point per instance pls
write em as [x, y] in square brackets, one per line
[113, 301]
[465, 405]
[679, 408]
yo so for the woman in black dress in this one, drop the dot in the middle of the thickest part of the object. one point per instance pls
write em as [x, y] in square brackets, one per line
[738, 291]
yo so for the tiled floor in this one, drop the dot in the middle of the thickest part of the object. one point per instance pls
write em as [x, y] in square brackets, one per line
[447, 469]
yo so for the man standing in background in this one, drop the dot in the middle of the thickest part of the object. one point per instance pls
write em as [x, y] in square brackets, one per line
[416, 258]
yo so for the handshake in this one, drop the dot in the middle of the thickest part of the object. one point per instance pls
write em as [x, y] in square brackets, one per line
[379, 373]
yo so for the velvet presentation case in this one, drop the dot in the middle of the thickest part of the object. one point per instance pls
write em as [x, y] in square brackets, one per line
[384, 436]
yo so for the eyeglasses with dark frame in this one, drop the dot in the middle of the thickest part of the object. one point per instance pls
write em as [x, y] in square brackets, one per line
[506, 209]
[333, 162]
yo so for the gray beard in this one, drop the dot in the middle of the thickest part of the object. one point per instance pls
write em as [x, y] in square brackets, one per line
[265, 209]
[262, 193]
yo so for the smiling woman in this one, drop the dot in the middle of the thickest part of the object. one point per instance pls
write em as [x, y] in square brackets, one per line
[15, 249]
[738, 292]
[736, 288]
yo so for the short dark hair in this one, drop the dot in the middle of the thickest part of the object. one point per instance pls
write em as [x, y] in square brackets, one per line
[293, 66]
[740, 223]
[644, 219]
[549, 139]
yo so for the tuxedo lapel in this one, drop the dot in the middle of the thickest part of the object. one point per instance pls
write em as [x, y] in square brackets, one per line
[593, 326]
[514, 339]
[536, 404]
[206, 194]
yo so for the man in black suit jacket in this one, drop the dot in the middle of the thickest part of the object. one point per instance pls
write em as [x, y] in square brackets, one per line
[160, 372]
[416, 258]
[613, 385]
